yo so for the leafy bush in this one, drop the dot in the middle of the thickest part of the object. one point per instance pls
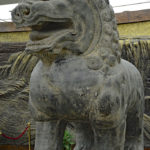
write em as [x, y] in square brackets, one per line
[67, 141]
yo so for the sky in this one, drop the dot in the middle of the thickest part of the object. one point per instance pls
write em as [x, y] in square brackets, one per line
[5, 9]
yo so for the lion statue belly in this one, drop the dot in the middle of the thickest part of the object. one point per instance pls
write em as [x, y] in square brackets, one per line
[69, 89]
[81, 77]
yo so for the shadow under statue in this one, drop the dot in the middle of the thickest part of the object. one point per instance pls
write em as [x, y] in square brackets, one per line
[80, 77]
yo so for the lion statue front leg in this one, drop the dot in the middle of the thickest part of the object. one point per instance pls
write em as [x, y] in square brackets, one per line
[100, 139]
[134, 127]
[127, 136]
[110, 139]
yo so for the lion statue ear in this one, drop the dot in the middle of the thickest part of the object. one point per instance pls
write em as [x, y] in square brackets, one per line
[107, 1]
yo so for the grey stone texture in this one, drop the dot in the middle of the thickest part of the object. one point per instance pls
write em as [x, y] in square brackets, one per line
[80, 78]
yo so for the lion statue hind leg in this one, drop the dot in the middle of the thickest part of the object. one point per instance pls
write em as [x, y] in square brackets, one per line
[84, 136]
[134, 129]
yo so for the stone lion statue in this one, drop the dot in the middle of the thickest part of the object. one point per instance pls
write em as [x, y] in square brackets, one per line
[80, 77]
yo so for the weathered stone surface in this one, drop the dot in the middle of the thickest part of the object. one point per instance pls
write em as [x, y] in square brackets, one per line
[81, 77]
[7, 49]
[14, 95]
[137, 51]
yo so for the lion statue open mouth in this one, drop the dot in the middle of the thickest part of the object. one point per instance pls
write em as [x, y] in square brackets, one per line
[81, 78]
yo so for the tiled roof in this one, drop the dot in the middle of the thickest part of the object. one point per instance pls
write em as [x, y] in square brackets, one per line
[133, 16]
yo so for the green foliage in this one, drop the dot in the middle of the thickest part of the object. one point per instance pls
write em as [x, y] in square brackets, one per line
[67, 141]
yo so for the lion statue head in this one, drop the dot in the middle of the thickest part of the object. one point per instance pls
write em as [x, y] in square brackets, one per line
[71, 27]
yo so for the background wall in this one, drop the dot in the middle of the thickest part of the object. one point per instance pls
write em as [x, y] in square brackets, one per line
[134, 29]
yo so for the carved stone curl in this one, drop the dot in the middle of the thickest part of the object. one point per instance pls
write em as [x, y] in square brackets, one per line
[81, 77]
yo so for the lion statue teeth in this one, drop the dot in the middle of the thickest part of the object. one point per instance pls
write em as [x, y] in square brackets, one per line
[81, 77]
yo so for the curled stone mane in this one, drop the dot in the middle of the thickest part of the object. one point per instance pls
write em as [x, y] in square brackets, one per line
[106, 38]
[97, 34]
[98, 38]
